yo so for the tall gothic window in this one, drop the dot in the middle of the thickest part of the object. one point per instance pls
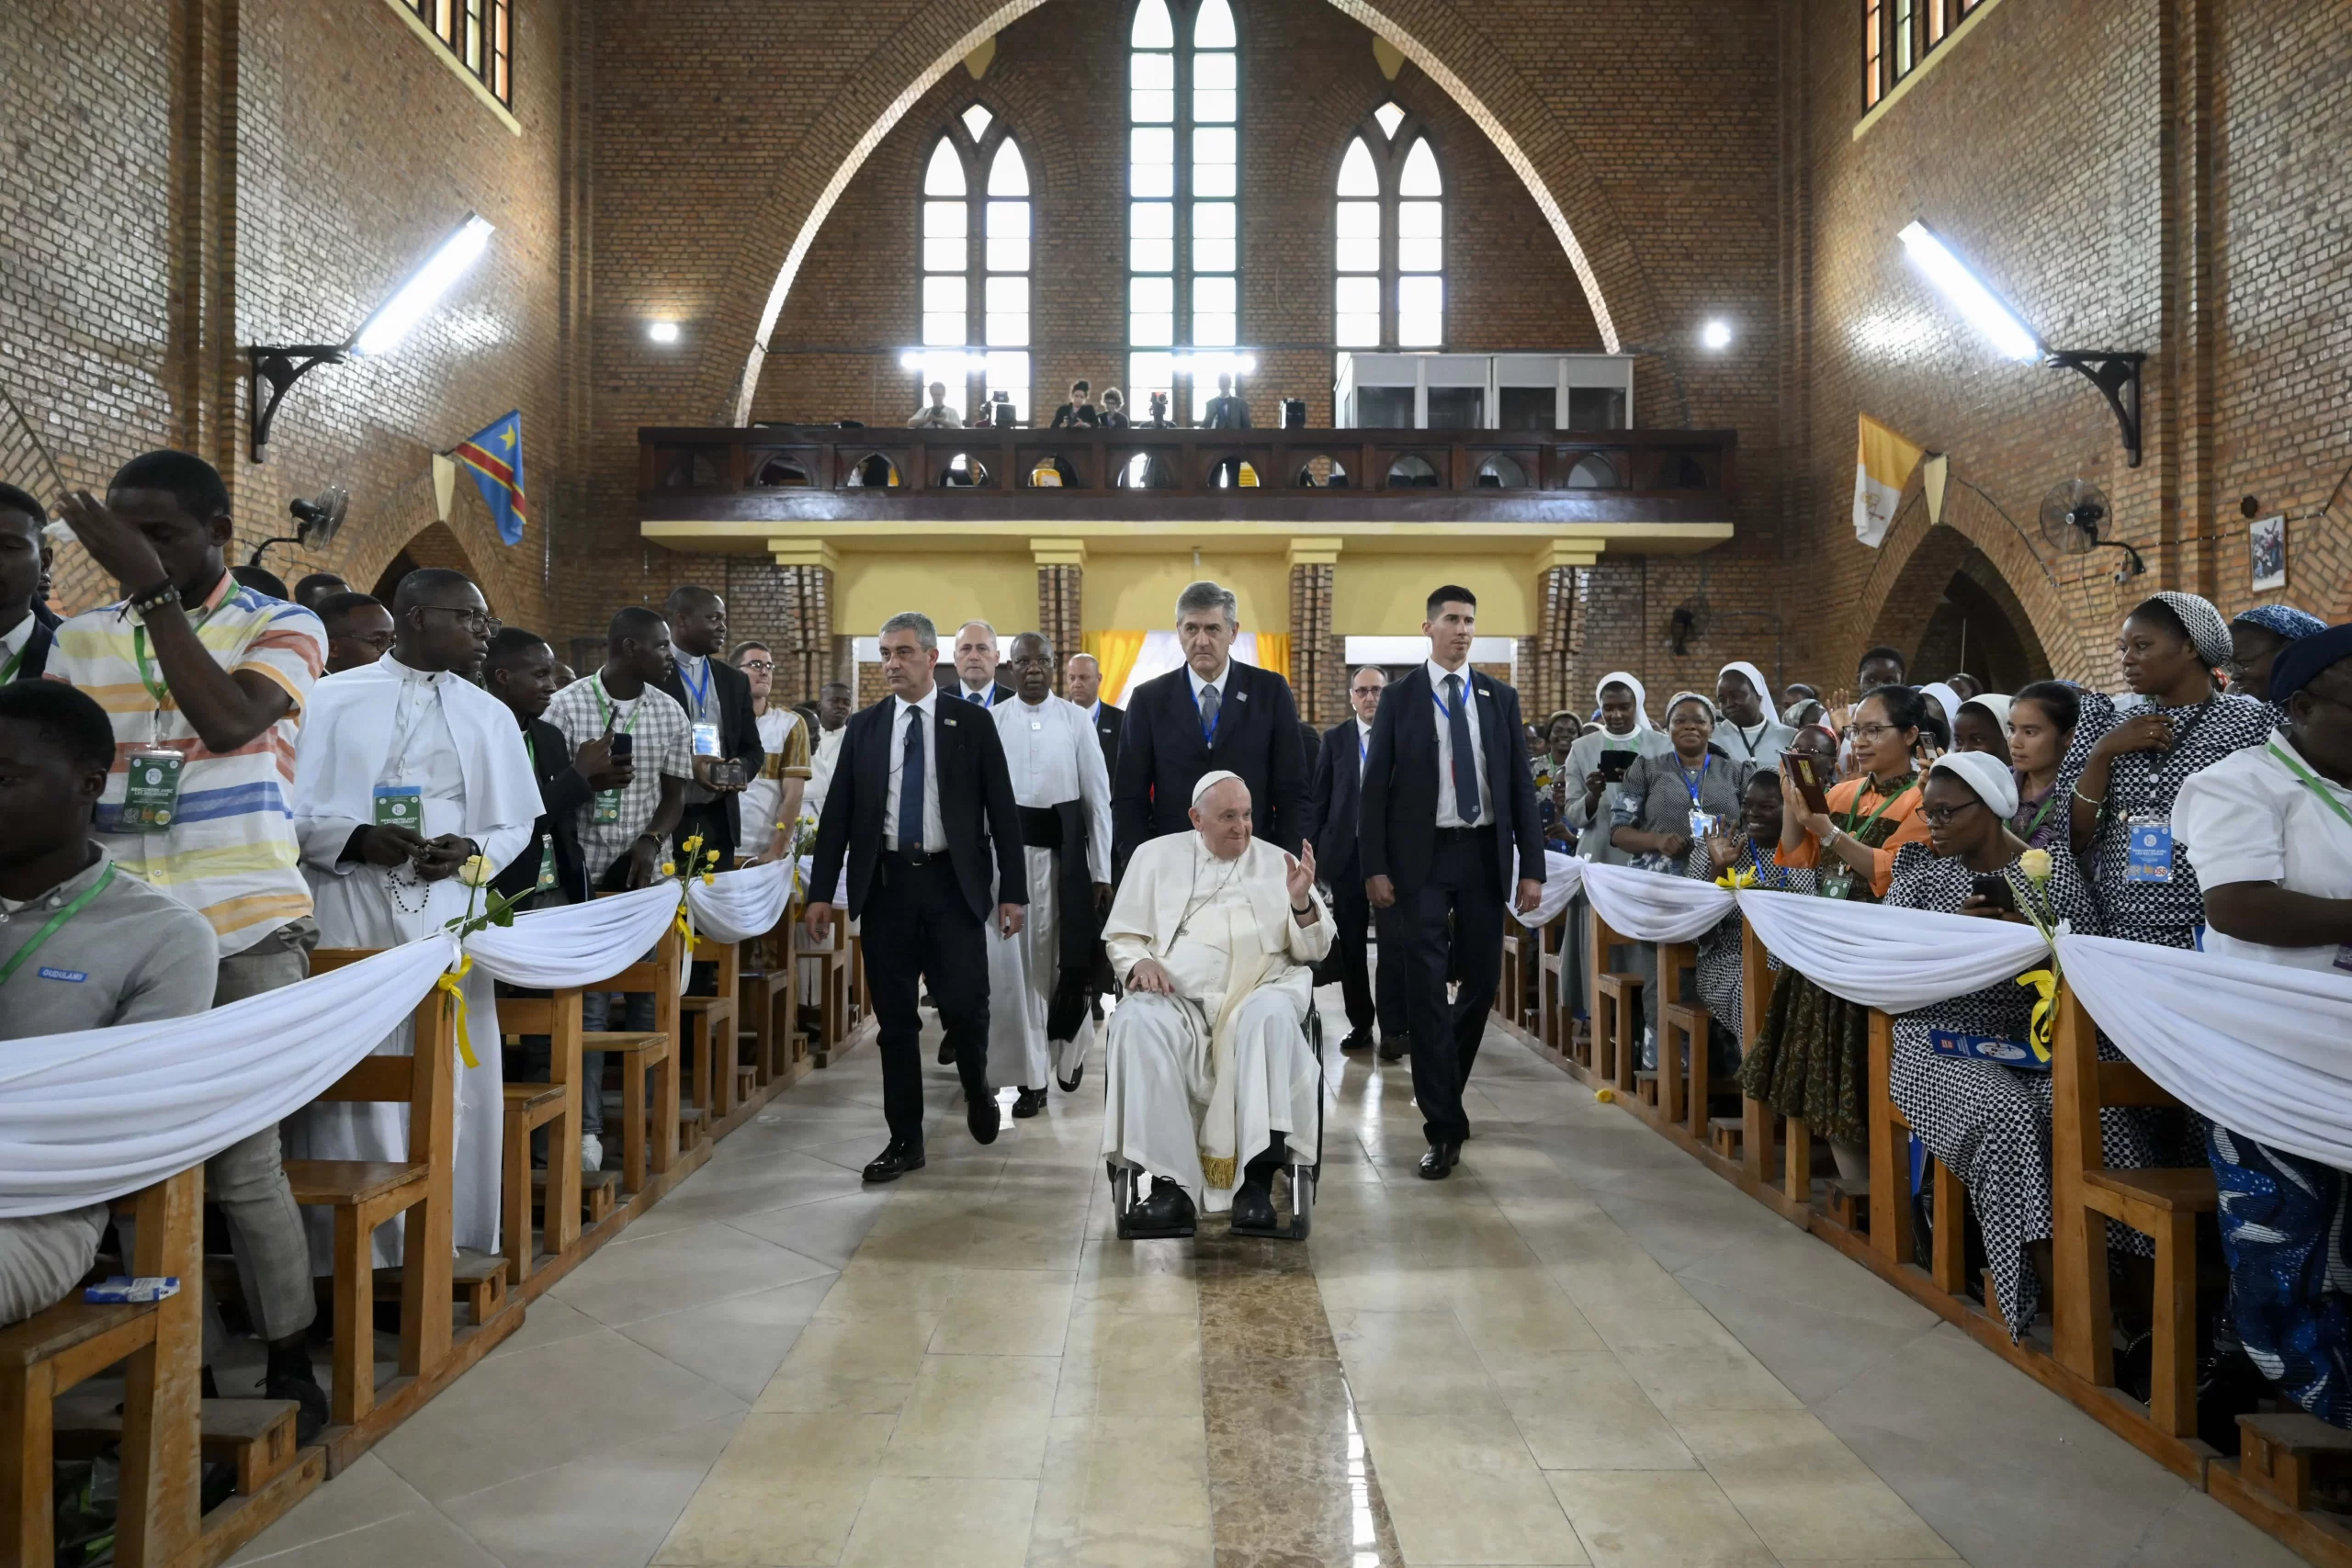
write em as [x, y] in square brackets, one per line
[975, 260]
[1183, 191]
[1389, 238]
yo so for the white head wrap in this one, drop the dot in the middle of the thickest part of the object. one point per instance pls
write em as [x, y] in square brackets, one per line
[1946, 699]
[1210, 780]
[1995, 703]
[1641, 698]
[1755, 678]
[1984, 773]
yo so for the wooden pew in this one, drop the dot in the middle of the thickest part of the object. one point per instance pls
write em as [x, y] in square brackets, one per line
[554, 1105]
[162, 1346]
[649, 1145]
[709, 1023]
[832, 962]
[1890, 1183]
[2161, 1204]
[1682, 1026]
[1555, 1009]
[1758, 1119]
[770, 1002]
[1616, 1011]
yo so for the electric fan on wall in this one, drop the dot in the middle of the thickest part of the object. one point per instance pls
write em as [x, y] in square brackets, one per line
[2071, 515]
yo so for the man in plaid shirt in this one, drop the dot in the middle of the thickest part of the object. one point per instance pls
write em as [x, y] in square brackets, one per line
[623, 831]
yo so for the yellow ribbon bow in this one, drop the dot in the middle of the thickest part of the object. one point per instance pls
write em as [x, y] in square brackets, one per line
[2044, 984]
[684, 924]
[453, 983]
[1732, 881]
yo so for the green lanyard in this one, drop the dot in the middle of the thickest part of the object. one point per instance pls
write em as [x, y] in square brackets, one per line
[604, 709]
[2310, 782]
[531, 750]
[2035, 825]
[1855, 810]
[8, 971]
[155, 683]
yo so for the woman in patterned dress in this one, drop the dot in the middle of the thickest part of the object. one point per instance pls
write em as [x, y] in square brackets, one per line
[1811, 1060]
[1744, 850]
[1989, 1124]
[2135, 763]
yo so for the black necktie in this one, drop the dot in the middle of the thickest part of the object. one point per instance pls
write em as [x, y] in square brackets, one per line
[1465, 763]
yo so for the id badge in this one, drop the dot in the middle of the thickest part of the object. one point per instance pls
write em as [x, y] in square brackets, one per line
[1704, 825]
[2344, 958]
[607, 807]
[151, 792]
[400, 805]
[547, 862]
[705, 741]
[2148, 852]
[1838, 884]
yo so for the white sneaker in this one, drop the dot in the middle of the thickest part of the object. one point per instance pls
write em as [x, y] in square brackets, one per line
[591, 1152]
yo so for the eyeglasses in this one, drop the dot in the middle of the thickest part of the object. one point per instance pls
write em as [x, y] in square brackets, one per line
[481, 621]
[751, 664]
[1939, 816]
[1872, 732]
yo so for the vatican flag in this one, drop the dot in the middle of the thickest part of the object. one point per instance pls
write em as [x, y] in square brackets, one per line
[1882, 461]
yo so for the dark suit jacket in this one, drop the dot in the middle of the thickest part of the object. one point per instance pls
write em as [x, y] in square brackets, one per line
[1397, 834]
[562, 792]
[976, 805]
[1334, 801]
[1162, 755]
[37, 644]
[1107, 720]
[738, 732]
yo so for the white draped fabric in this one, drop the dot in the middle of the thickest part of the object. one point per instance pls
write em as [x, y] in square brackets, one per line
[2264, 1049]
[576, 944]
[1563, 875]
[90, 1116]
[1892, 959]
[736, 906]
[1650, 905]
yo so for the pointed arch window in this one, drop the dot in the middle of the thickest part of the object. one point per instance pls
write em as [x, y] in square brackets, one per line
[1388, 237]
[976, 267]
[1183, 194]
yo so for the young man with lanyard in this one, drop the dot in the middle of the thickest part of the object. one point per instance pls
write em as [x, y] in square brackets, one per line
[726, 732]
[771, 804]
[81, 945]
[624, 829]
[205, 683]
[2268, 831]
[26, 624]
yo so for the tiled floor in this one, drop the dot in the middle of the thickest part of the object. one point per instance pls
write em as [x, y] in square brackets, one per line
[1581, 1348]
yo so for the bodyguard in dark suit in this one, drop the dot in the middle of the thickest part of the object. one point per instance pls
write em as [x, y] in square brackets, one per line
[1334, 804]
[715, 692]
[1449, 816]
[25, 619]
[972, 676]
[519, 670]
[1214, 713]
[922, 806]
[1082, 683]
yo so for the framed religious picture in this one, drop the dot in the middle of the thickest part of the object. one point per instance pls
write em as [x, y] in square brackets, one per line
[2266, 545]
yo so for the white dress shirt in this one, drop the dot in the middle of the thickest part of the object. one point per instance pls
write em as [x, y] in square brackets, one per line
[1363, 746]
[982, 696]
[1224, 678]
[934, 835]
[1447, 816]
[2249, 818]
[1053, 754]
[13, 640]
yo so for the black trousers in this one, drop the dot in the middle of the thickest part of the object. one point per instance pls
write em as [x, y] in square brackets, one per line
[715, 820]
[917, 929]
[1452, 926]
[1351, 920]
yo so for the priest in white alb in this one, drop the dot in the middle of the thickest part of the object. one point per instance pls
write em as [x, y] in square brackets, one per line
[405, 770]
[1038, 1013]
[1213, 936]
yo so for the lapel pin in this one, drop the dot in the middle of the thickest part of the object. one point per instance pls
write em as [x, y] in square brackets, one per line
[1240, 696]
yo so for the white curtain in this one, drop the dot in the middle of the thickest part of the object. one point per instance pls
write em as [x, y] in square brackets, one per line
[576, 944]
[1562, 876]
[1161, 652]
[736, 906]
[1650, 905]
[89, 1116]
[2264, 1049]
[1893, 959]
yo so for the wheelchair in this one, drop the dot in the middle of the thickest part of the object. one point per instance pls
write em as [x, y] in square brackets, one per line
[1127, 1185]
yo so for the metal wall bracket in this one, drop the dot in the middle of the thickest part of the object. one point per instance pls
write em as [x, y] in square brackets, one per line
[271, 373]
[2117, 376]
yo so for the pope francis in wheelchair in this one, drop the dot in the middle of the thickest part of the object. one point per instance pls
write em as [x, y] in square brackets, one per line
[1212, 1074]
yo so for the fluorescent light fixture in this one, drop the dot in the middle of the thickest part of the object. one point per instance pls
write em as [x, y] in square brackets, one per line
[1984, 309]
[662, 332]
[414, 300]
[1715, 334]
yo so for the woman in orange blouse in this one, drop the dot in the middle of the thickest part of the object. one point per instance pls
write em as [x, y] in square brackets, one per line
[1811, 1059]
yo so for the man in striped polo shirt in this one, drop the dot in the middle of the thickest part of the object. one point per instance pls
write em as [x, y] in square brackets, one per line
[204, 682]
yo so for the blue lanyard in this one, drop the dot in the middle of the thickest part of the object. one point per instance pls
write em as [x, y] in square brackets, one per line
[701, 693]
[985, 697]
[1756, 860]
[1690, 783]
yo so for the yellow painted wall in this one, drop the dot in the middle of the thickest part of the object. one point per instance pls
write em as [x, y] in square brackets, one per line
[1137, 592]
[1388, 595]
[1000, 589]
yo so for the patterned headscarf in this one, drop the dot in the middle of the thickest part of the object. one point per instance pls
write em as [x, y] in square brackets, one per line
[2208, 633]
[2283, 621]
[1680, 697]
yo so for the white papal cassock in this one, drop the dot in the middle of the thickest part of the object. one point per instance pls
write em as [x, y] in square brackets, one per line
[1197, 1083]
[388, 723]
[1053, 756]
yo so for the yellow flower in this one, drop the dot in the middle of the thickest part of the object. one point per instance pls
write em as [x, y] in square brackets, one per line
[669, 868]
[1606, 1095]
[476, 872]
[2035, 864]
[1734, 880]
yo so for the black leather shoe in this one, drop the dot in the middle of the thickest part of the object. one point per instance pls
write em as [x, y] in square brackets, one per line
[1253, 1209]
[946, 1052]
[984, 1118]
[1168, 1211]
[310, 1404]
[1069, 1085]
[894, 1162]
[1029, 1101]
[1440, 1161]
[1357, 1040]
[1393, 1047]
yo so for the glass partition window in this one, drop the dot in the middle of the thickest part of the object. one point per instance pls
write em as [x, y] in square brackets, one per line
[1388, 237]
[1183, 194]
[976, 267]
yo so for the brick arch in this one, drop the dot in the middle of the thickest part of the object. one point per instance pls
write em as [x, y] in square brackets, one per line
[1488, 88]
[1917, 559]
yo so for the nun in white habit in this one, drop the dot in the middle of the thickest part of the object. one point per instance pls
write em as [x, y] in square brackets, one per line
[1746, 728]
[1213, 936]
[1624, 727]
[410, 739]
